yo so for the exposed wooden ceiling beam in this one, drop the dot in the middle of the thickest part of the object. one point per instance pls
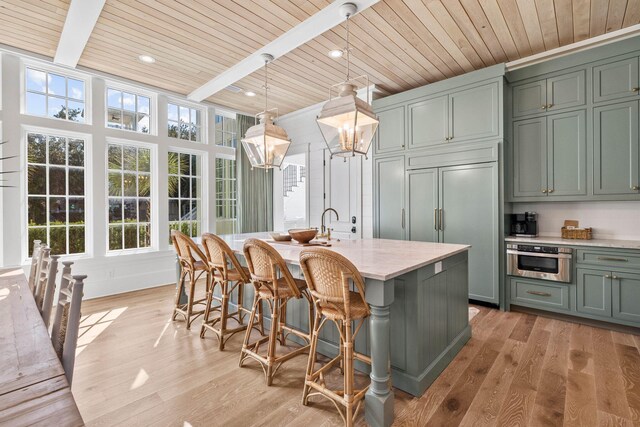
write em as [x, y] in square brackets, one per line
[78, 26]
[315, 25]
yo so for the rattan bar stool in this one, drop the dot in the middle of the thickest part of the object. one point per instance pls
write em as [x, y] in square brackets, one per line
[230, 275]
[274, 284]
[193, 264]
[329, 276]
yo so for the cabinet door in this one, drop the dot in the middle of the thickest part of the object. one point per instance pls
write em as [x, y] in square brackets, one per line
[594, 292]
[390, 130]
[567, 154]
[615, 140]
[566, 91]
[474, 113]
[422, 203]
[626, 296]
[389, 181]
[530, 158]
[429, 121]
[469, 202]
[615, 80]
[529, 98]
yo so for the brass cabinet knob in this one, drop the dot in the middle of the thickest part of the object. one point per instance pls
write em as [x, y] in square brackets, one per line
[544, 107]
[550, 191]
[544, 191]
[635, 89]
[635, 188]
[550, 105]
[607, 276]
[614, 277]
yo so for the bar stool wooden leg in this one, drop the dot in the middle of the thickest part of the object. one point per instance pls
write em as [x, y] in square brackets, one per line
[273, 339]
[247, 335]
[179, 292]
[348, 372]
[282, 321]
[312, 356]
[240, 305]
[224, 311]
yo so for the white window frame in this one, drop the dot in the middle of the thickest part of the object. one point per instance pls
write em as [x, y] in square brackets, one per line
[203, 120]
[154, 218]
[137, 91]
[204, 186]
[228, 114]
[88, 185]
[215, 192]
[49, 68]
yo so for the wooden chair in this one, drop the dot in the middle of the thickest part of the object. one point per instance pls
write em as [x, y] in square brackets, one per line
[273, 284]
[229, 275]
[329, 276]
[64, 332]
[36, 259]
[193, 264]
[46, 284]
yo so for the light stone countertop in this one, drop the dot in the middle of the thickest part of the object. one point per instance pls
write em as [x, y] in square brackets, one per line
[378, 259]
[555, 240]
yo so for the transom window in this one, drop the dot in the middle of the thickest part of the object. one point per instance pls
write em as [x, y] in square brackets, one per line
[184, 193]
[56, 192]
[128, 111]
[129, 196]
[226, 131]
[54, 95]
[184, 123]
[226, 196]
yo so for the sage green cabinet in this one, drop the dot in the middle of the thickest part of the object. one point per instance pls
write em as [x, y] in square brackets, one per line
[390, 134]
[429, 122]
[390, 211]
[616, 149]
[626, 296]
[438, 201]
[463, 115]
[594, 292]
[550, 156]
[616, 80]
[474, 113]
[550, 94]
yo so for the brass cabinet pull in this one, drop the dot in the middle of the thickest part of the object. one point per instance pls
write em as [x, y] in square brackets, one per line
[606, 258]
[635, 188]
[403, 218]
[614, 277]
[435, 219]
[544, 191]
[607, 276]
[440, 220]
[542, 294]
[544, 107]
[550, 191]
[549, 106]
[635, 89]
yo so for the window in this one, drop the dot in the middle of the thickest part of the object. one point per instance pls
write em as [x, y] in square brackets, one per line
[129, 196]
[226, 131]
[54, 95]
[184, 193]
[56, 193]
[128, 111]
[184, 123]
[226, 186]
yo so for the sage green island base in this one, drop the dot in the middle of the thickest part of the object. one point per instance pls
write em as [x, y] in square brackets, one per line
[418, 294]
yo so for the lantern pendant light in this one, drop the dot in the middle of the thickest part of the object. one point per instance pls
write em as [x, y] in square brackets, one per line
[266, 144]
[347, 122]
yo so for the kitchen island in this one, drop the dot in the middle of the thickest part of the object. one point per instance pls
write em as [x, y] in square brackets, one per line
[418, 294]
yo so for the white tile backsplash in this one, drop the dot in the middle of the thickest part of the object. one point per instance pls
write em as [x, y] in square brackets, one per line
[609, 220]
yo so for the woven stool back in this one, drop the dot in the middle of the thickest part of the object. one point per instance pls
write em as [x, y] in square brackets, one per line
[221, 256]
[188, 252]
[328, 275]
[264, 262]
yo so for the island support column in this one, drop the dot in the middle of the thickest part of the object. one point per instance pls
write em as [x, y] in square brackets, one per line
[379, 398]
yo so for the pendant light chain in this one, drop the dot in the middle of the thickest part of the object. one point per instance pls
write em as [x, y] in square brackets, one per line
[266, 86]
[348, 50]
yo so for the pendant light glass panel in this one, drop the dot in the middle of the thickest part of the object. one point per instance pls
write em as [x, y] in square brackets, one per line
[266, 144]
[347, 125]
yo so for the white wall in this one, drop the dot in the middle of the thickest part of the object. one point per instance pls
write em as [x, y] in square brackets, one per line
[108, 273]
[303, 130]
[610, 220]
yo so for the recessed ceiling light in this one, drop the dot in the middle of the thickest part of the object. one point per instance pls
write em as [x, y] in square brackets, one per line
[336, 53]
[249, 93]
[147, 59]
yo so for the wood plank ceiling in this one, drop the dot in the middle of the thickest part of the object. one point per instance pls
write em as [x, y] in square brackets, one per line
[400, 44]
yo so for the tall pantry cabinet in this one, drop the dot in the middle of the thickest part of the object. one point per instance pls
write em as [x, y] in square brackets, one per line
[437, 172]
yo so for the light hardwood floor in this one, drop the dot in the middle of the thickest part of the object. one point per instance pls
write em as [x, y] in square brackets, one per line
[136, 367]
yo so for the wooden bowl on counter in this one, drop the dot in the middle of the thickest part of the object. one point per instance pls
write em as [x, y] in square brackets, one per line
[303, 235]
[279, 237]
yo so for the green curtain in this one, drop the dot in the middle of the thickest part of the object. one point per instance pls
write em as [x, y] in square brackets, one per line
[255, 188]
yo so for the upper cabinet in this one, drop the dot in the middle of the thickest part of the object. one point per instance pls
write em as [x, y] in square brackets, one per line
[390, 135]
[616, 80]
[616, 149]
[550, 94]
[429, 122]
